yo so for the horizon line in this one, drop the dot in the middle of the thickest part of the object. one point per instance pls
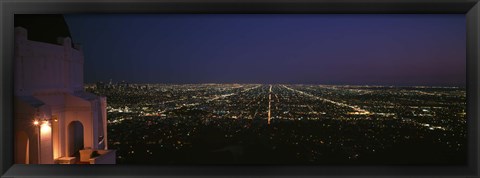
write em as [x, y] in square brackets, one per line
[231, 83]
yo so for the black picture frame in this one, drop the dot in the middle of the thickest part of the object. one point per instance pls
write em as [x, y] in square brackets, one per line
[10, 7]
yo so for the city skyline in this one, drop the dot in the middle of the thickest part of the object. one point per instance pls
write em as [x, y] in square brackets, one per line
[285, 124]
[311, 84]
[397, 50]
[234, 111]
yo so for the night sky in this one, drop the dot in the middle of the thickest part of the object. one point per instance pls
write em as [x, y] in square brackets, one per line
[273, 48]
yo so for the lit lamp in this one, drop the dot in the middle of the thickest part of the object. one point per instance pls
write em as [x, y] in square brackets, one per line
[36, 124]
[44, 131]
[45, 127]
[45, 123]
[36, 121]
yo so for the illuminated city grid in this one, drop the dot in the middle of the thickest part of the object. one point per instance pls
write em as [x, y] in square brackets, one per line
[284, 124]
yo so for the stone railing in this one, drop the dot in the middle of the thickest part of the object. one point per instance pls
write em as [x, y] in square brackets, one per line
[104, 156]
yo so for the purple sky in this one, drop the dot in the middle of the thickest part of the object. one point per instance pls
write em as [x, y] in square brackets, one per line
[396, 49]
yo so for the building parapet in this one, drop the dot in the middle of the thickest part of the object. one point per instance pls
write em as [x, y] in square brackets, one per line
[106, 157]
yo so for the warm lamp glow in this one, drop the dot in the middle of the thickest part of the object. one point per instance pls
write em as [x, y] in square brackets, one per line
[35, 122]
[45, 127]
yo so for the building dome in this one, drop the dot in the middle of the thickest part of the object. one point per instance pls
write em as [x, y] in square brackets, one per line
[43, 27]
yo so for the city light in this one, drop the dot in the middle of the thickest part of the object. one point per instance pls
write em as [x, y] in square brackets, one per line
[319, 122]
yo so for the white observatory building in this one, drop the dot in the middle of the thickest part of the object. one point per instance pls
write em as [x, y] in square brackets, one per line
[55, 120]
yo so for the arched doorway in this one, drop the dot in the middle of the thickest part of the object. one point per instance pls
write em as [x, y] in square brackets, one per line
[22, 150]
[75, 138]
